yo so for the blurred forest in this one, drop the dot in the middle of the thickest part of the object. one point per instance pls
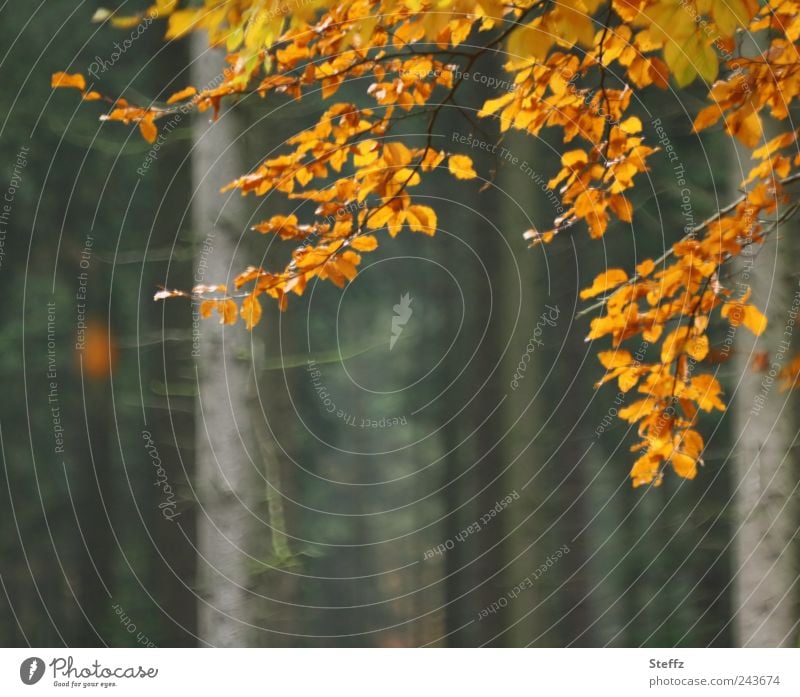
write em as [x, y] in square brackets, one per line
[362, 470]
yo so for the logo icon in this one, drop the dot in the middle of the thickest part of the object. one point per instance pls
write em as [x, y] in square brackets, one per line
[31, 670]
[402, 313]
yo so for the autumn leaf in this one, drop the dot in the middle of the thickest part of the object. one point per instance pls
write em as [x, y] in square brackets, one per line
[645, 268]
[646, 470]
[492, 105]
[207, 307]
[227, 311]
[732, 14]
[750, 316]
[692, 57]
[66, 80]
[684, 465]
[604, 282]
[754, 320]
[364, 243]
[574, 159]
[461, 167]
[421, 219]
[615, 359]
[148, 129]
[182, 94]
[250, 311]
[706, 392]
[637, 410]
[182, 22]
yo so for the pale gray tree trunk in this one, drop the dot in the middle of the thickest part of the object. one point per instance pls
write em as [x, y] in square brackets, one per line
[229, 485]
[765, 571]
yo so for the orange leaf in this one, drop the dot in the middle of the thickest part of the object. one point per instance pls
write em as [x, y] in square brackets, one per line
[615, 359]
[684, 465]
[754, 320]
[148, 129]
[251, 311]
[604, 282]
[673, 344]
[183, 94]
[645, 268]
[227, 311]
[637, 410]
[207, 307]
[691, 442]
[697, 347]
[707, 117]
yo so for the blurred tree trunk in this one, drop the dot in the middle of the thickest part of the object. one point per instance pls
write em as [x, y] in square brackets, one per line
[474, 439]
[765, 572]
[523, 289]
[548, 445]
[229, 484]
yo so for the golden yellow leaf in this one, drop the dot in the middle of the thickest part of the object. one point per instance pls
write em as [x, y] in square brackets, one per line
[421, 219]
[364, 243]
[396, 154]
[166, 6]
[691, 57]
[729, 15]
[461, 167]
[182, 22]
[490, 106]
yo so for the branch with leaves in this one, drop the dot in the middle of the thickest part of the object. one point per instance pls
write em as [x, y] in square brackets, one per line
[572, 68]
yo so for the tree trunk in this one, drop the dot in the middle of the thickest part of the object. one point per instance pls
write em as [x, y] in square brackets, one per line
[229, 485]
[764, 571]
